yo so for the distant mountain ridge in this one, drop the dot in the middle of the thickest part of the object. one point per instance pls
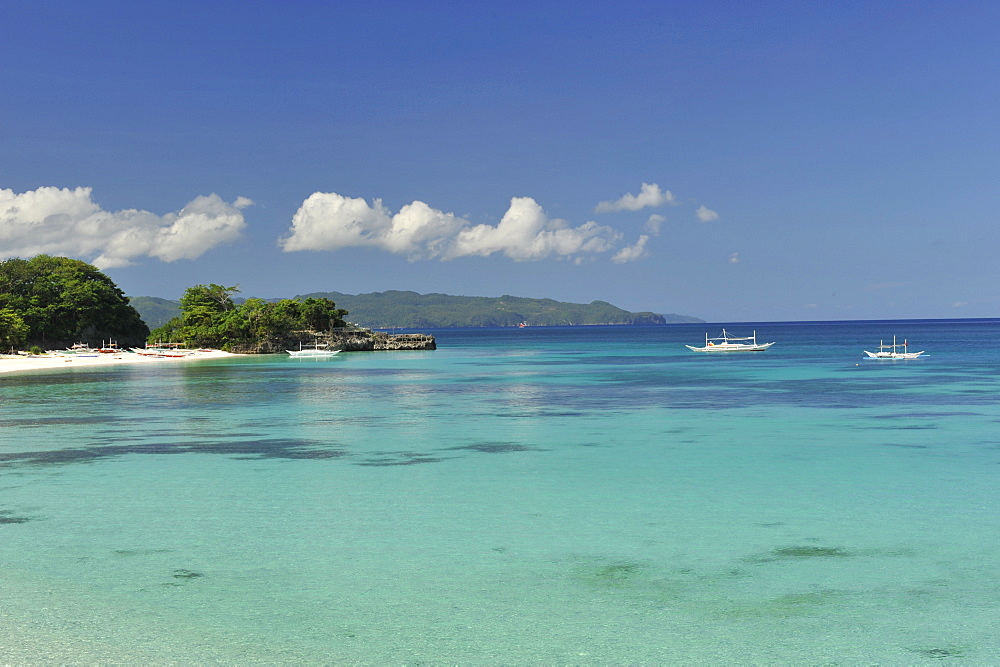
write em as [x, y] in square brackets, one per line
[154, 311]
[408, 310]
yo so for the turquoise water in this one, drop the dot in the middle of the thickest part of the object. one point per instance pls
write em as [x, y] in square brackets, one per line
[557, 495]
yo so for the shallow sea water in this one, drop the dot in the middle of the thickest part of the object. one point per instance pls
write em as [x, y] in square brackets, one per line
[557, 495]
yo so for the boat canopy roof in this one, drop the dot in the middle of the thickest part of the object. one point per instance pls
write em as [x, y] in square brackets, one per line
[726, 336]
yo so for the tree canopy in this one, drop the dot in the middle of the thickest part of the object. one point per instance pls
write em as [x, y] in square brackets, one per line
[57, 301]
[210, 318]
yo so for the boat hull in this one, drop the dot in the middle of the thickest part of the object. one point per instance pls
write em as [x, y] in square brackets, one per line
[727, 343]
[730, 348]
[312, 354]
[893, 355]
[886, 351]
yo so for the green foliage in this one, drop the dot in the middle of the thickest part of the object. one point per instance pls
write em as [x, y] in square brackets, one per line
[321, 313]
[210, 318]
[13, 330]
[62, 301]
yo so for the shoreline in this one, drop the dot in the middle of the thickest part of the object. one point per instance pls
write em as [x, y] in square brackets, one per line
[21, 363]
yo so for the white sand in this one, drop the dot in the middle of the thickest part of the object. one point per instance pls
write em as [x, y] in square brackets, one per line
[14, 363]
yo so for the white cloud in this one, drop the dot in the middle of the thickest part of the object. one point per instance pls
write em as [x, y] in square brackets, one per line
[650, 196]
[706, 214]
[734, 258]
[960, 304]
[654, 223]
[63, 221]
[632, 253]
[329, 221]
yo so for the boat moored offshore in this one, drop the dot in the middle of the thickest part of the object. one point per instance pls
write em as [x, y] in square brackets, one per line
[886, 351]
[727, 343]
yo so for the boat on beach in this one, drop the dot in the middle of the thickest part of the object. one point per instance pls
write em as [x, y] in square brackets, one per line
[163, 351]
[886, 351]
[78, 350]
[727, 343]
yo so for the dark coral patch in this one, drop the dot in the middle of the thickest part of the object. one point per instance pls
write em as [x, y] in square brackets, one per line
[497, 447]
[264, 448]
[941, 652]
[62, 421]
[799, 553]
[614, 574]
[187, 574]
[6, 517]
[924, 415]
[402, 459]
[140, 552]
[543, 413]
[811, 552]
[267, 448]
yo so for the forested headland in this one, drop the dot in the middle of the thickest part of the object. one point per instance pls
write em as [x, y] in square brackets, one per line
[52, 302]
[210, 317]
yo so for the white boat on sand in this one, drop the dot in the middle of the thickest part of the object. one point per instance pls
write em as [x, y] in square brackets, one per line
[317, 351]
[889, 351]
[164, 350]
[727, 343]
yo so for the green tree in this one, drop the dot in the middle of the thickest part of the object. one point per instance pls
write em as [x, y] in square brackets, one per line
[321, 314]
[267, 323]
[202, 303]
[210, 318]
[63, 300]
[13, 330]
[202, 311]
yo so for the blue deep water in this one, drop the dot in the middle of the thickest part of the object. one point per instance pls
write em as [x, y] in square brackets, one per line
[538, 495]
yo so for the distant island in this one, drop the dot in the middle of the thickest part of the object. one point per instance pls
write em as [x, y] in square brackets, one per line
[411, 310]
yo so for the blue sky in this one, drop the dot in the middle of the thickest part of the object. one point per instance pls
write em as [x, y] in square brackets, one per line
[736, 161]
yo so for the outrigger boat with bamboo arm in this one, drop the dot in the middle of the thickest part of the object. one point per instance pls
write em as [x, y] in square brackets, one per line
[889, 351]
[727, 343]
[314, 351]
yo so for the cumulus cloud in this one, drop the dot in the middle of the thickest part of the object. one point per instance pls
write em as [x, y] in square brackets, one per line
[734, 258]
[650, 196]
[654, 223]
[329, 221]
[632, 253]
[706, 214]
[64, 221]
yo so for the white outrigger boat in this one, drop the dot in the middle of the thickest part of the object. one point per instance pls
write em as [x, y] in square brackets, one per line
[889, 351]
[727, 343]
[163, 350]
[317, 351]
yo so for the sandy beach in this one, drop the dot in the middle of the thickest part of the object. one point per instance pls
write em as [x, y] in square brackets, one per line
[10, 363]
